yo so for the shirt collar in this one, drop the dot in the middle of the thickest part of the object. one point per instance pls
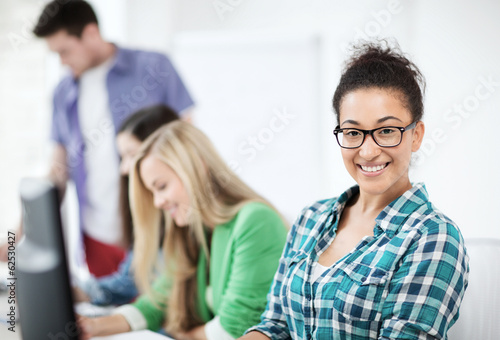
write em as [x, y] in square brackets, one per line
[121, 62]
[320, 211]
[346, 196]
[396, 213]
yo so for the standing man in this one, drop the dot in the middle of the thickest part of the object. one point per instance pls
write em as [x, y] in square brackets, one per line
[107, 83]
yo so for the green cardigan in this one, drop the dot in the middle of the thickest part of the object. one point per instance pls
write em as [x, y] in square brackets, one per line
[244, 256]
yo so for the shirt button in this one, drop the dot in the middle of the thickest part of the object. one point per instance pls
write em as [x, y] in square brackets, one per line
[363, 279]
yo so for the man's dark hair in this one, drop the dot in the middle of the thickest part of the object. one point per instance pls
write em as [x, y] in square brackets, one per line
[69, 15]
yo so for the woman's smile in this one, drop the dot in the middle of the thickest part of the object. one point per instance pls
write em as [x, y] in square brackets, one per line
[371, 170]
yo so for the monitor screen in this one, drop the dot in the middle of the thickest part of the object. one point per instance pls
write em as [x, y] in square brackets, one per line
[43, 287]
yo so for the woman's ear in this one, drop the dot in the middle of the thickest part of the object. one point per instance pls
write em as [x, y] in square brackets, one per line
[418, 136]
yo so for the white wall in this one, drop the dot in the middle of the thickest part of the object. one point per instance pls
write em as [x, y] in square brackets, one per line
[24, 115]
[456, 49]
[454, 43]
[257, 100]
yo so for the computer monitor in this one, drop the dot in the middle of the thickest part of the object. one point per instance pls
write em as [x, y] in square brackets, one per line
[43, 287]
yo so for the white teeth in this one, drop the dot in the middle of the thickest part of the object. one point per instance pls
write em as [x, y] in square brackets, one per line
[373, 168]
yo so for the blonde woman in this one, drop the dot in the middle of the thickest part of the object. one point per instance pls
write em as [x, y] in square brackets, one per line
[222, 242]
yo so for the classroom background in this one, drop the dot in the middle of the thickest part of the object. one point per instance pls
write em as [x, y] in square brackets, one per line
[262, 74]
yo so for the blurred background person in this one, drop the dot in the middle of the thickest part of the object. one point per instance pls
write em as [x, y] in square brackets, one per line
[119, 287]
[222, 242]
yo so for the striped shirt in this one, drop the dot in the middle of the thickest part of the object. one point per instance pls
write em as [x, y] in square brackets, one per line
[405, 282]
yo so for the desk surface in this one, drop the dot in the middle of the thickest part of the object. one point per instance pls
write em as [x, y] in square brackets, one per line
[5, 334]
[143, 335]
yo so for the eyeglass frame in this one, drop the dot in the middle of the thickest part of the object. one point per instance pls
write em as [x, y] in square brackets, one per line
[370, 132]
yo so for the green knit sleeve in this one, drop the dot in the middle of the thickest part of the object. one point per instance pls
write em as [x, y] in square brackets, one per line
[259, 237]
[153, 305]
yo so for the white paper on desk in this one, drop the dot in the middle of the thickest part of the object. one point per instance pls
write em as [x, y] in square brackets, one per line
[143, 335]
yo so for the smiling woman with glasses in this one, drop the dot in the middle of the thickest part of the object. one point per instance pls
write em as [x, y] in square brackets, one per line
[380, 261]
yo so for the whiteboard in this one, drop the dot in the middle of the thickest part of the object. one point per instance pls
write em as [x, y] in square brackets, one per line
[256, 97]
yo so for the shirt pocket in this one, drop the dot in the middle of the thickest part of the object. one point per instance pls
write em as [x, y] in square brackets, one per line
[361, 292]
[291, 293]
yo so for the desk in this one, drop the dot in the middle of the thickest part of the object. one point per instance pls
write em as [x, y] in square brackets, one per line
[5, 334]
[143, 335]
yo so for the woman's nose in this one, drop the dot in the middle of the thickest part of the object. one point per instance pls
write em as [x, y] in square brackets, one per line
[369, 149]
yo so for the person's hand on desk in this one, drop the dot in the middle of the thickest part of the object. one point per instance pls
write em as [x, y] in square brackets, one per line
[102, 326]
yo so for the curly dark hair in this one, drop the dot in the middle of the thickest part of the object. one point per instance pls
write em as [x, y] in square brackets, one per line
[379, 65]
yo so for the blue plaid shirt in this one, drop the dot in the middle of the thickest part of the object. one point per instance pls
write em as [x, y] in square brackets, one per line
[405, 282]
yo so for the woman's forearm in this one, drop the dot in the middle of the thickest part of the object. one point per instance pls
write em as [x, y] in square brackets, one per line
[105, 325]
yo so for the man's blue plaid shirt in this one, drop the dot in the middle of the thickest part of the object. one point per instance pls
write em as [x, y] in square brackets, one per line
[405, 282]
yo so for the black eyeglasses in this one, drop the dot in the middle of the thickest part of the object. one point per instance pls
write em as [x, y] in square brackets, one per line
[386, 136]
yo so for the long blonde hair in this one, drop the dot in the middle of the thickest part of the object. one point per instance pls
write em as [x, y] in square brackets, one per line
[216, 195]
